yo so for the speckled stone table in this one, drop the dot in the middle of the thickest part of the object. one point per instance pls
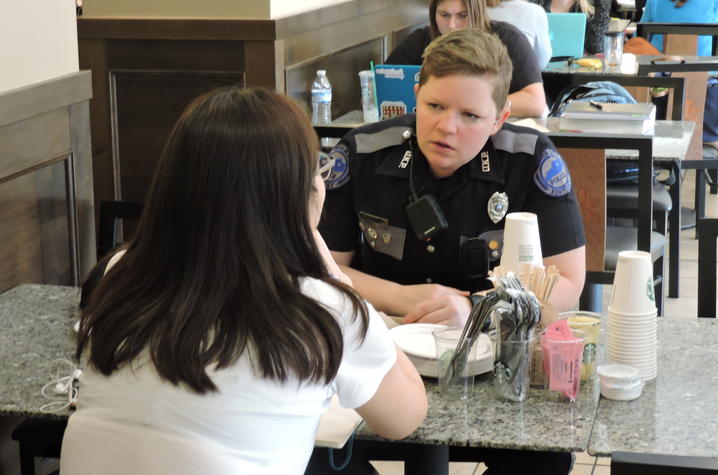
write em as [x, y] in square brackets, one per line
[677, 414]
[541, 422]
[36, 322]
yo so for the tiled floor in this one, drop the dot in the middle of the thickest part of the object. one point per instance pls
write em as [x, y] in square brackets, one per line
[683, 307]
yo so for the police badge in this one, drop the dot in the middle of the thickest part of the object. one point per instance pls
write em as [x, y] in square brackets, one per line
[498, 206]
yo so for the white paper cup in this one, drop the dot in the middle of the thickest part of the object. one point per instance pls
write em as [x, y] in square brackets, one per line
[633, 284]
[631, 316]
[631, 322]
[522, 244]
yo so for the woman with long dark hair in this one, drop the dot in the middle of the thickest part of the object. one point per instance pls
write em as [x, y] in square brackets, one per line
[215, 341]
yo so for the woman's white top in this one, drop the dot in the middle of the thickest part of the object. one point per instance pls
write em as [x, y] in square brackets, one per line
[133, 422]
[531, 20]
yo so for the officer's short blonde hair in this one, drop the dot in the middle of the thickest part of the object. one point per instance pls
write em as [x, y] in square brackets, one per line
[469, 52]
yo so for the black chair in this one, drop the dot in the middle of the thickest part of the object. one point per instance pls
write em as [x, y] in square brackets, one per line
[38, 438]
[110, 212]
[626, 463]
[706, 174]
[707, 234]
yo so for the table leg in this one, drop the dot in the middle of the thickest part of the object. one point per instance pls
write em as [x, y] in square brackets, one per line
[428, 460]
[674, 232]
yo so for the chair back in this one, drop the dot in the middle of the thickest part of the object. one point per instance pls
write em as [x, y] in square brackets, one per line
[707, 235]
[109, 231]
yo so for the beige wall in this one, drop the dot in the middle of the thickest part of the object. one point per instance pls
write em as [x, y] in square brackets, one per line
[38, 41]
[284, 8]
[230, 9]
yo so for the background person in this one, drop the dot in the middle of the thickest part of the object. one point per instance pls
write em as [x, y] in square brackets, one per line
[216, 340]
[530, 19]
[465, 156]
[526, 91]
[691, 11]
[598, 13]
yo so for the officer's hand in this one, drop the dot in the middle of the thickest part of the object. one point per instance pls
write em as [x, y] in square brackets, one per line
[449, 309]
[411, 295]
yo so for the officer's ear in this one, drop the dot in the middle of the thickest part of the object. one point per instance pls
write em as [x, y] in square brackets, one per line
[416, 89]
[503, 114]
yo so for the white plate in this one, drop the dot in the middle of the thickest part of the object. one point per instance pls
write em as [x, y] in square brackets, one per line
[417, 341]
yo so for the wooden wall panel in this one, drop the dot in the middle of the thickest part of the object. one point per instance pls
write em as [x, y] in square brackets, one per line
[34, 228]
[342, 70]
[46, 230]
[132, 111]
[588, 176]
[147, 104]
[21, 148]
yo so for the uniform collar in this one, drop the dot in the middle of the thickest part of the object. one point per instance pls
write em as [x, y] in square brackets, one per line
[396, 164]
[486, 166]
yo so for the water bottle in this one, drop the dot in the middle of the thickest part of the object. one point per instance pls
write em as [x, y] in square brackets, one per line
[321, 99]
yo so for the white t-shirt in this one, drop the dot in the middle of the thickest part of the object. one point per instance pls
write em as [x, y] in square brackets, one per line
[531, 20]
[134, 422]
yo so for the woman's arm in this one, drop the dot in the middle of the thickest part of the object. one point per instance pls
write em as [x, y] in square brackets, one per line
[399, 404]
[428, 303]
[572, 266]
[529, 101]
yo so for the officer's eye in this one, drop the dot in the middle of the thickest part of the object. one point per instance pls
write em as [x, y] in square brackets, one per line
[471, 116]
[433, 106]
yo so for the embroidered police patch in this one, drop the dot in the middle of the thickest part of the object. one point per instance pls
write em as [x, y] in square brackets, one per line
[552, 176]
[339, 174]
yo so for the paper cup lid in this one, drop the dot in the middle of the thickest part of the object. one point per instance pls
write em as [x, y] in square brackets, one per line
[617, 371]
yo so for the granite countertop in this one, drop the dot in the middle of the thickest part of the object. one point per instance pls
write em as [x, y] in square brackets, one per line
[541, 422]
[677, 413]
[30, 316]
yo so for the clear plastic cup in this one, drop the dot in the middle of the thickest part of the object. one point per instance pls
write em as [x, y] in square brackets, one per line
[512, 368]
[456, 378]
[612, 49]
[590, 324]
[562, 361]
[368, 96]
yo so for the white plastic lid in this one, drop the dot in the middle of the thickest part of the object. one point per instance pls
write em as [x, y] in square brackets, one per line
[617, 373]
[321, 72]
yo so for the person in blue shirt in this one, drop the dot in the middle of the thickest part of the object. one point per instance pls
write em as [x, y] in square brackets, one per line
[682, 11]
[691, 11]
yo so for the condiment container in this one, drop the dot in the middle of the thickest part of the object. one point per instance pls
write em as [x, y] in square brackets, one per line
[620, 382]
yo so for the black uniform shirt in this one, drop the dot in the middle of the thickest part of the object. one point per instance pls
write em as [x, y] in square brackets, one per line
[369, 189]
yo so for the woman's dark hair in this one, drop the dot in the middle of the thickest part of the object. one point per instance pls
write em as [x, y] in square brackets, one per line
[214, 269]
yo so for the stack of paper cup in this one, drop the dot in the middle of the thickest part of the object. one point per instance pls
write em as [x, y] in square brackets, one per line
[632, 314]
[522, 244]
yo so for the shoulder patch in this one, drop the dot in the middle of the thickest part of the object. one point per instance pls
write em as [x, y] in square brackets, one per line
[552, 175]
[339, 173]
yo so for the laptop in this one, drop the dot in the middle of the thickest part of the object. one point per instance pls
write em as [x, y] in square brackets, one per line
[395, 89]
[566, 32]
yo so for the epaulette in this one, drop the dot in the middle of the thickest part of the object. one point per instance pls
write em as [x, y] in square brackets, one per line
[373, 141]
[513, 139]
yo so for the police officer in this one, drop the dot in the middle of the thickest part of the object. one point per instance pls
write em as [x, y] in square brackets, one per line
[418, 202]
